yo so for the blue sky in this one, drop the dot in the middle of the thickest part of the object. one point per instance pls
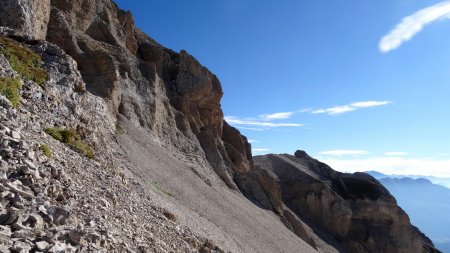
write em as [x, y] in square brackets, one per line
[314, 75]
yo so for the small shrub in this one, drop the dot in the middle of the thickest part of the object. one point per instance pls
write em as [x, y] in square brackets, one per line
[83, 148]
[24, 61]
[9, 87]
[55, 133]
[46, 150]
[72, 139]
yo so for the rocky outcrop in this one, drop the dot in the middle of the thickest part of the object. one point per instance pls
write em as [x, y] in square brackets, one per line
[27, 17]
[355, 209]
[169, 93]
[101, 69]
[59, 200]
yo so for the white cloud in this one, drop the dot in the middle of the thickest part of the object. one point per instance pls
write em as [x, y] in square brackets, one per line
[342, 152]
[392, 165]
[367, 104]
[411, 25]
[336, 110]
[252, 141]
[305, 110]
[260, 150]
[249, 122]
[396, 153]
[251, 128]
[275, 116]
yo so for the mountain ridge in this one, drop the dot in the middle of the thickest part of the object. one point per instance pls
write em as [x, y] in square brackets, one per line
[154, 114]
[436, 180]
[426, 204]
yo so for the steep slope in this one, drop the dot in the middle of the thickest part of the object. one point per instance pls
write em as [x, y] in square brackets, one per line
[53, 198]
[152, 120]
[427, 204]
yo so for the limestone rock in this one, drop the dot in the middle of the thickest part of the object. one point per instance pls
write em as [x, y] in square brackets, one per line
[355, 209]
[102, 69]
[26, 17]
[171, 94]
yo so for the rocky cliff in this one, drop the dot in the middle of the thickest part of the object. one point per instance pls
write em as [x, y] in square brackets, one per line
[168, 93]
[150, 122]
[355, 209]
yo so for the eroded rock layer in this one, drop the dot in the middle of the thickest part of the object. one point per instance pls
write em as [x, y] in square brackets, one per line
[169, 93]
[101, 68]
[355, 209]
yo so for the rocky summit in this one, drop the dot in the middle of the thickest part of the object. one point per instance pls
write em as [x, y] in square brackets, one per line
[110, 142]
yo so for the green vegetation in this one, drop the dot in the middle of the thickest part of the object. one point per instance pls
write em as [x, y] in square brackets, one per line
[72, 139]
[9, 87]
[46, 150]
[24, 61]
[119, 130]
[161, 189]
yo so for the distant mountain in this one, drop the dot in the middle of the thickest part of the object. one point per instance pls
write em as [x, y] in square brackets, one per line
[427, 204]
[435, 180]
[444, 246]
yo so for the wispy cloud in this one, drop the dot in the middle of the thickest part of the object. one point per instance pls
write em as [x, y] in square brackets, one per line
[413, 24]
[260, 150]
[276, 116]
[252, 141]
[266, 121]
[249, 122]
[342, 152]
[304, 110]
[367, 104]
[336, 110]
[250, 128]
[396, 153]
[392, 165]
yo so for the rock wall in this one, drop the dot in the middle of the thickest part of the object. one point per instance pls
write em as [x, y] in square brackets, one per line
[171, 94]
[26, 17]
[355, 209]
[177, 101]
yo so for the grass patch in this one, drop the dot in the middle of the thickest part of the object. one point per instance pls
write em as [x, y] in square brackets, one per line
[23, 60]
[46, 150]
[119, 130]
[72, 139]
[10, 87]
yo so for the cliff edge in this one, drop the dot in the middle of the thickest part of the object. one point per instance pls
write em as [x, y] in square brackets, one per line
[113, 143]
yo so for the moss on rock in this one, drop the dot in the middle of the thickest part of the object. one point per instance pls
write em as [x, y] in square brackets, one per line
[23, 60]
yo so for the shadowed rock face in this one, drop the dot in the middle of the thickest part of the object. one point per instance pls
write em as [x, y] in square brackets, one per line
[355, 209]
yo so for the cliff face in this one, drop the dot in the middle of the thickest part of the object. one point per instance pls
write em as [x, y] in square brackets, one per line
[355, 209]
[27, 18]
[170, 127]
[168, 93]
